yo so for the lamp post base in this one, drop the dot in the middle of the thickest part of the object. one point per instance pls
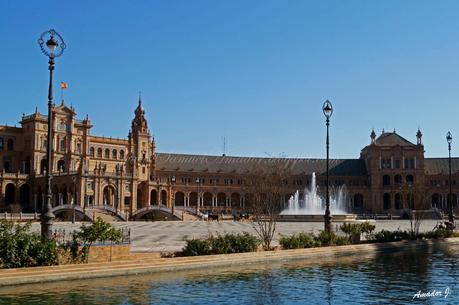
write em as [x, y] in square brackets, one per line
[327, 222]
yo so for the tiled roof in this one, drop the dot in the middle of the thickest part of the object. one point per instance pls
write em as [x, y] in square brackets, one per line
[434, 166]
[241, 165]
[392, 139]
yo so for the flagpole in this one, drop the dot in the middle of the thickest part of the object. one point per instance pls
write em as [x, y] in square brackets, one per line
[62, 94]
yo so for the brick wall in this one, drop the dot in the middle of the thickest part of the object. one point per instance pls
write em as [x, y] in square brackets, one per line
[107, 253]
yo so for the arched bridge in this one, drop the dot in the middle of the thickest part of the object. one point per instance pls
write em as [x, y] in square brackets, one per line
[107, 209]
[70, 208]
[173, 214]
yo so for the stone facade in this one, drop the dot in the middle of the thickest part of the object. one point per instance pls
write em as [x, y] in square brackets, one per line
[128, 175]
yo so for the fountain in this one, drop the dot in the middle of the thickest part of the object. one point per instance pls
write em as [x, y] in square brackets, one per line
[312, 206]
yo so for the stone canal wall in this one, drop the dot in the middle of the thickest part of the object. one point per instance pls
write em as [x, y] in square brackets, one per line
[154, 264]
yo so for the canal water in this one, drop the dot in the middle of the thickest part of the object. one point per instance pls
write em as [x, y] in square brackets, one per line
[416, 276]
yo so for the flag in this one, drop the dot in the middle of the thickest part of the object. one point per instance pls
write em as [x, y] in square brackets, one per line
[64, 85]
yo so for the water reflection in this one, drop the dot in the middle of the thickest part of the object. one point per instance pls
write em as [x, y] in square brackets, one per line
[385, 278]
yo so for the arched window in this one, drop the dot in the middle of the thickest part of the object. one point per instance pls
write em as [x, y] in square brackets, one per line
[99, 152]
[107, 153]
[42, 166]
[91, 151]
[6, 165]
[358, 203]
[62, 145]
[61, 166]
[398, 201]
[409, 179]
[10, 192]
[436, 201]
[10, 145]
[398, 180]
[386, 180]
[27, 165]
[122, 154]
[386, 201]
[114, 154]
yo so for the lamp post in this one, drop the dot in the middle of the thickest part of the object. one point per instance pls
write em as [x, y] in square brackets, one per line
[198, 182]
[53, 47]
[327, 109]
[449, 139]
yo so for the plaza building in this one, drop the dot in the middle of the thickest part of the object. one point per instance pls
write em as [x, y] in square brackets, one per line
[129, 178]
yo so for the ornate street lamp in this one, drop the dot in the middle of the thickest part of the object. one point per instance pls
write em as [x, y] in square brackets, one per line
[327, 109]
[449, 139]
[52, 45]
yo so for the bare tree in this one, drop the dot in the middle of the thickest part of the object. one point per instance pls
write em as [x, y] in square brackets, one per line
[266, 187]
[416, 217]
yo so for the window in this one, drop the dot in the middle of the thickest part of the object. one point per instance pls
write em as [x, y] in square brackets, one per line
[386, 163]
[397, 163]
[99, 152]
[115, 154]
[62, 145]
[409, 179]
[1, 143]
[61, 166]
[386, 180]
[10, 144]
[91, 151]
[398, 180]
[61, 126]
[386, 202]
[409, 163]
[78, 148]
[122, 154]
[107, 153]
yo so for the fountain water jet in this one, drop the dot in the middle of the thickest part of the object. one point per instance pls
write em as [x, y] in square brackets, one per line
[312, 205]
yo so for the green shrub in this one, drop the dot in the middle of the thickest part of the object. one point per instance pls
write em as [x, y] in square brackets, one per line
[221, 244]
[357, 228]
[366, 227]
[297, 241]
[235, 243]
[100, 231]
[21, 248]
[388, 236]
[331, 239]
[196, 247]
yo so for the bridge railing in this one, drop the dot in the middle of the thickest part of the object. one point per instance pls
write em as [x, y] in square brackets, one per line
[107, 207]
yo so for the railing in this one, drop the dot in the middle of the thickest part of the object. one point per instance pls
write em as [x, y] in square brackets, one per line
[62, 236]
[109, 208]
[20, 216]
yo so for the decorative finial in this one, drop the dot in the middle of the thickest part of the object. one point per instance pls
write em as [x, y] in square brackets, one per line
[36, 109]
[373, 135]
[383, 130]
[394, 131]
[419, 136]
[140, 98]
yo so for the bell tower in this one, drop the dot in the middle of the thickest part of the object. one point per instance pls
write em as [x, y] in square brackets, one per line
[142, 150]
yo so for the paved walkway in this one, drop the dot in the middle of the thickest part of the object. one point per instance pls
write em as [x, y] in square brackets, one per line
[170, 235]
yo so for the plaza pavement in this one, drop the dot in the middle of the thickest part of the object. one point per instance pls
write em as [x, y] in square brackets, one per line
[165, 236]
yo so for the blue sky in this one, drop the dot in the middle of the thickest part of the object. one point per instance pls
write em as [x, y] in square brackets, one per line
[255, 72]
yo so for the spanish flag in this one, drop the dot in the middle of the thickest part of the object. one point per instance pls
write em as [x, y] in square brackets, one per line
[64, 85]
